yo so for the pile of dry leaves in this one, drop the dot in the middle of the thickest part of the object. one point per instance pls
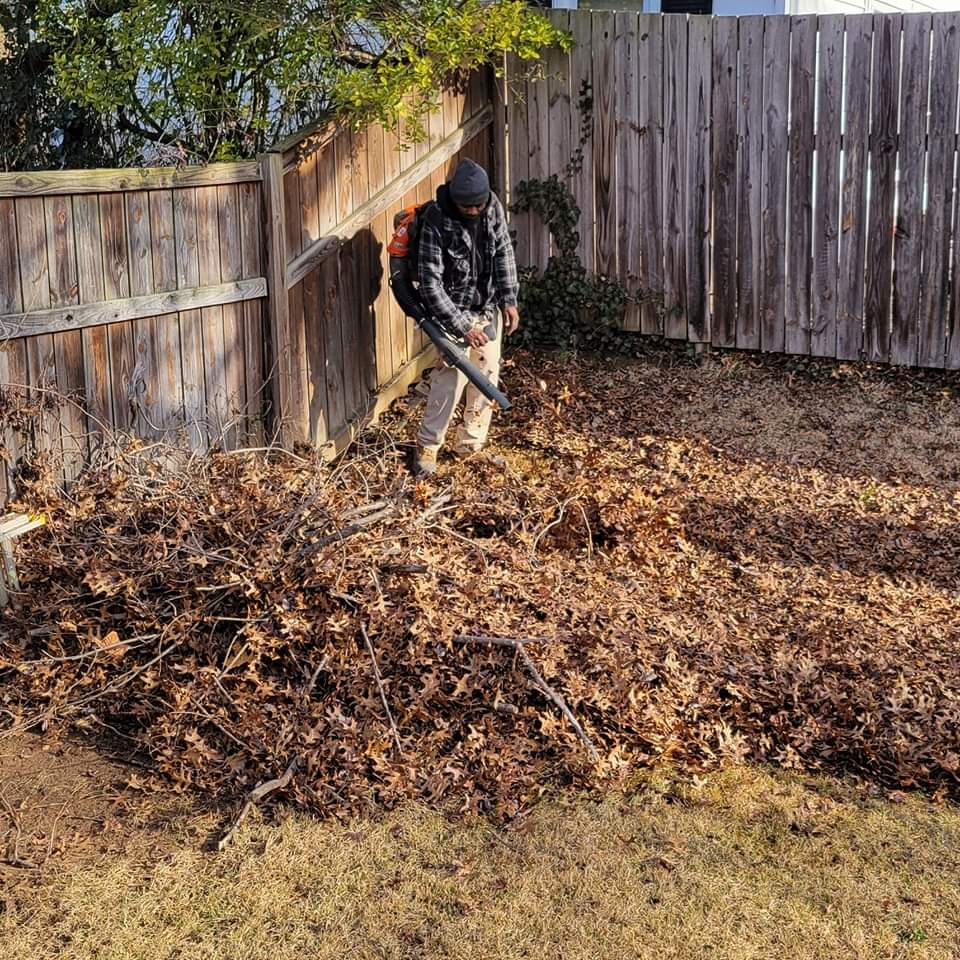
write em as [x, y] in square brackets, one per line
[694, 563]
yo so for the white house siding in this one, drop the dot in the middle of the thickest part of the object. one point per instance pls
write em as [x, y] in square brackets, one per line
[858, 6]
[742, 8]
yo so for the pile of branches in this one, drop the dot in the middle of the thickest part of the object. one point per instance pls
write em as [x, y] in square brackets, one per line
[569, 615]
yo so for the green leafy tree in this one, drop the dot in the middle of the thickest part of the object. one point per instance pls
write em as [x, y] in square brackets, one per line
[223, 79]
[40, 128]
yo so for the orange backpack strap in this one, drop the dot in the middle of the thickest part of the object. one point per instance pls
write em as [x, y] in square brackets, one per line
[399, 245]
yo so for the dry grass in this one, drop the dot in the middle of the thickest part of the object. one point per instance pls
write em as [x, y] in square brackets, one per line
[748, 864]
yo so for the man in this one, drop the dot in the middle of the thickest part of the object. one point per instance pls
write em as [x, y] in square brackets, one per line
[467, 271]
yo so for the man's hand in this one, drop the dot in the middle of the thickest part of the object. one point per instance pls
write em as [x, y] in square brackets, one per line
[512, 315]
[476, 337]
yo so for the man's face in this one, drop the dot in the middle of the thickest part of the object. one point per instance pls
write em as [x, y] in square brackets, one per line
[472, 212]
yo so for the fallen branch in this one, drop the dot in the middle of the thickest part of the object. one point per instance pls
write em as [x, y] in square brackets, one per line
[308, 688]
[133, 641]
[345, 532]
[497, 641]
[559, 701]
[13, 859]
[383, 694]
[254, 797]
[545, 688]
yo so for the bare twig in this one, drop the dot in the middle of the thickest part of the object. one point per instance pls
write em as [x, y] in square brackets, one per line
[559, 701]
[520, 646]
[497, 641]
[383, 694]
[345, 532]
[364, 509]
[123, 681]
[436, 505]
[14, 859]
[132, 641]
[563, 508]
[255, 796]
[308, 687]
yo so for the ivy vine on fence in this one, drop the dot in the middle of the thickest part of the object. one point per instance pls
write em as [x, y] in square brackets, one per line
[565, 306]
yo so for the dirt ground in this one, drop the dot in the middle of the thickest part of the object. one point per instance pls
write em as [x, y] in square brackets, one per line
[69, 801]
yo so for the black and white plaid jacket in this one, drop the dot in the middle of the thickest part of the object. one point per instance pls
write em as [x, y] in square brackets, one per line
[464, 271]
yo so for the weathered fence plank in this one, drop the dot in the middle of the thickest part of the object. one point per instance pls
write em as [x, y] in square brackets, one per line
[518, 155]
[341, 293]
[883, 186]
[167, 329]
[724, 173]
[77, 182]
[116, 286]
[773, 188]
[935, 294]
[559, 146]
[316, 357]
[650, 122]
[309, 200]
[211, 318]
[853, 194]
[583, 99]
[803, 51]
[254, 334]
[627, 162]
[749, 182]
[605, 190]
[35, 287]
[538, 162]
[698, 182]
[908, 244]
[826, 204]
[674, 174]
[231, 269]
[68, 348]
[13, 353]
[398, 322]
[102, 312]
[336, 406]
[380, 235]
[191, 333]
[96, 347]
[145, 386]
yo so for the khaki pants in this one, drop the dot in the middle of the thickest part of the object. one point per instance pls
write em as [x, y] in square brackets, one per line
[446, 388]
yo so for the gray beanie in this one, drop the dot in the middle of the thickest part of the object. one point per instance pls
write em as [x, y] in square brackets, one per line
[470, 186]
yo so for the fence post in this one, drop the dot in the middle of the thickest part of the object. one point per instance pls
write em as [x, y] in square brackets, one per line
[278, 307]
[498, 130]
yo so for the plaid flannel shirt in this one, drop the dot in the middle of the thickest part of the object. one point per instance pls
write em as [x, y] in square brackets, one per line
[454, 284]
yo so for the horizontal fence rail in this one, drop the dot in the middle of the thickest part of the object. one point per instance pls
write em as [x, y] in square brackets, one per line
[74, 182]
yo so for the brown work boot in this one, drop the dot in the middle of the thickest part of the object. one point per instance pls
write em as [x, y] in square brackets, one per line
[478, 454]
[425, 462]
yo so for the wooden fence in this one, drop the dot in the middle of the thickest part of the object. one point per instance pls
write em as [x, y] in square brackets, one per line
[343, 345]
[137, 294]
[776, 183]
[227, 302]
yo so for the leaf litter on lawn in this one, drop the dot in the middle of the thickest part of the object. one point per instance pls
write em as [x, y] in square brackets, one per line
[731, 561]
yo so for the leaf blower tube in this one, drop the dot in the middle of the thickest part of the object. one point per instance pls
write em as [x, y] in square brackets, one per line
[452, 350]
